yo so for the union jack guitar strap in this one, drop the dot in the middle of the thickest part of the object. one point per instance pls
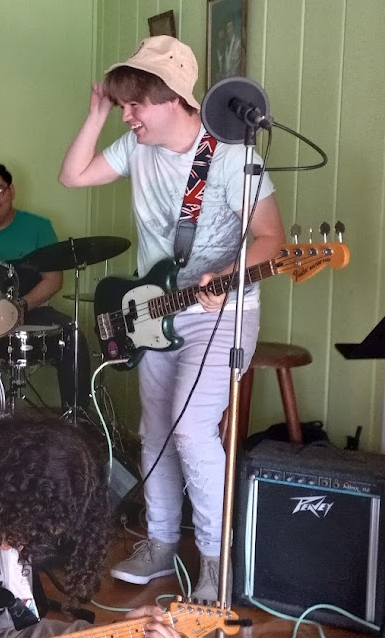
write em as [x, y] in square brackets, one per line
[192, 201]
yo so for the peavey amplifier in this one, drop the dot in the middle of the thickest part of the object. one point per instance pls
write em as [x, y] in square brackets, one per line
[309, 528]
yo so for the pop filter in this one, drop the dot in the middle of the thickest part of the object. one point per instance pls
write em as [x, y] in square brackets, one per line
[231, 105]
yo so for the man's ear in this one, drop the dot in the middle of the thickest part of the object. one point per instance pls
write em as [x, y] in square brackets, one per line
[174, 103]
[13, 191]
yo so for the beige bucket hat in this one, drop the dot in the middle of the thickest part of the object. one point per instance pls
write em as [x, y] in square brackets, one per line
[169, 59]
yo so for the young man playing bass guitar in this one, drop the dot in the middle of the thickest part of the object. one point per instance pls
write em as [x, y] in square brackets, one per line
[154, 90]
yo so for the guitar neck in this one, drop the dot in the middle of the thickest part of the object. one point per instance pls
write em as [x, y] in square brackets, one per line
[180, 299]
[125, 629]
[192, 621]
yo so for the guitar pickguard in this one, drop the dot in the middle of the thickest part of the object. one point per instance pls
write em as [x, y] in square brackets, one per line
[148, 332]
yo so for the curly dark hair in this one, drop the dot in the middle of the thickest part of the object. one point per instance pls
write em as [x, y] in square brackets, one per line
[53, 499]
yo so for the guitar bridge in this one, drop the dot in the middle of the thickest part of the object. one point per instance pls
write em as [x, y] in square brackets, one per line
[105, 327]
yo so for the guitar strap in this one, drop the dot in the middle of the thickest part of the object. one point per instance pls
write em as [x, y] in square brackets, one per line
[192, 201]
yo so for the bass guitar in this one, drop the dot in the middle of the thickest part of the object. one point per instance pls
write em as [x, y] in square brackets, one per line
[133, 315]
[193, 621]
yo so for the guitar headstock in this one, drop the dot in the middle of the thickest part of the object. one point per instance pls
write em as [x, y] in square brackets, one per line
[196, 621]
[301, 261]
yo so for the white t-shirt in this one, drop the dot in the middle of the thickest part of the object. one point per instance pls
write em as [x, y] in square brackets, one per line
[17, 579]
[159, 178]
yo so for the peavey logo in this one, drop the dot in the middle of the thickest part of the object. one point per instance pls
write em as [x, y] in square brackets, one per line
[314, 504]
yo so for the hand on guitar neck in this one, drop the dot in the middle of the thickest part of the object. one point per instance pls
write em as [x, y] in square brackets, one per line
[156, 623]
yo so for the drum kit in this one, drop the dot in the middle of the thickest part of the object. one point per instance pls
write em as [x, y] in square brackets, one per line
[22, 346]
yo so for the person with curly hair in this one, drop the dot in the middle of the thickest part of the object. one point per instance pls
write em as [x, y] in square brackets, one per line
[53, 505]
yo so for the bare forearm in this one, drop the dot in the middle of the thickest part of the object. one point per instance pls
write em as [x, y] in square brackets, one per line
[267, 231]
[81, 152]
[264, 248]
[82, 166]
[261, 249]
[44, 290]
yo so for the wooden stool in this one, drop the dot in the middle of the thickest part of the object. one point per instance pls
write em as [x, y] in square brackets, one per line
[282, 357]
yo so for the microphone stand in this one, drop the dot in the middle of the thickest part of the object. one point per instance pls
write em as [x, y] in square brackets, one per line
[236, 364]
[227, 107]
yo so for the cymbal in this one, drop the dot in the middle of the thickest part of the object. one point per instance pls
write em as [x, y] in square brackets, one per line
[83, 296]
[75, 253]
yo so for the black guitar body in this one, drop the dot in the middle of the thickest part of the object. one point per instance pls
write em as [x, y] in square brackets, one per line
[122, 304]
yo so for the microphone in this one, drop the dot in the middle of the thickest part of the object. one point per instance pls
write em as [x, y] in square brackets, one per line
[233, 104]
[235, 109]
[249, 114]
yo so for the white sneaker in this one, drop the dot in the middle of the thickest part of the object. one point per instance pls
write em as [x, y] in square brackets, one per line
[151, 559]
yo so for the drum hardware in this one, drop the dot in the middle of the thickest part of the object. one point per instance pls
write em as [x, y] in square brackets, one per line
[76, 254]
[17, 382]
[3, 400]
[73, 410]
[88, 296]
[16, 385]
[31, 345]
[9, 290]
[25, 347]
[83, 296]
[70, 254]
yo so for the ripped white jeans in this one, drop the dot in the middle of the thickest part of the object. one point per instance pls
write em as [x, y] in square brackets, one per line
[194, 455]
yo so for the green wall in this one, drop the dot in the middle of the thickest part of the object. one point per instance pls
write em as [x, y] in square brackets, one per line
[322, 64]
[46, 52]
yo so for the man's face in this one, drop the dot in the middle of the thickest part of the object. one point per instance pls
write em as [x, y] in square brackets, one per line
[150, 122]
[7, 194]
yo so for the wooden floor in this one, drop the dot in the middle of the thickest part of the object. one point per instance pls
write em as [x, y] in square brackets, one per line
[116, 593]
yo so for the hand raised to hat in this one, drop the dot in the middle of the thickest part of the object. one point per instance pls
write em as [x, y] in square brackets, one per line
[100, 104]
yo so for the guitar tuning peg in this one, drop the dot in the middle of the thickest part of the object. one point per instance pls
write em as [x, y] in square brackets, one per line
[295, 232]
[339, 227]
[324, 229]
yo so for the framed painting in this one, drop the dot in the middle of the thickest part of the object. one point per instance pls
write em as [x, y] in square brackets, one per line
[162, 24]
[226, 39]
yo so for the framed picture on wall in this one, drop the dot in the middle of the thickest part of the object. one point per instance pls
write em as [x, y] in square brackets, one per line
[162, 24]
[226, 39]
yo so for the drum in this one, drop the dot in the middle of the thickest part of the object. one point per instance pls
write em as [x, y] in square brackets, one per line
[9, 290]
[32, 345]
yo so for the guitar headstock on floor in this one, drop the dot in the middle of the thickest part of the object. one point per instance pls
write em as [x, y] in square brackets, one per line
[304, 260]
[195, 621]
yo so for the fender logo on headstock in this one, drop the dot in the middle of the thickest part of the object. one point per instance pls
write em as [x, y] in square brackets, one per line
[302, 272]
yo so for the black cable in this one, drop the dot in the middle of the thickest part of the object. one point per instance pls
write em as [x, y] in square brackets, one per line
[139, 485]
[309, 167]
[27, 381]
